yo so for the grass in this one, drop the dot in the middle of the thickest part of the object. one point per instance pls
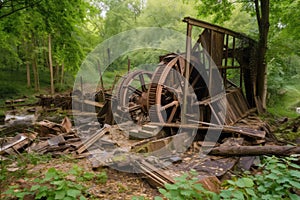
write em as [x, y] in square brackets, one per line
[13, 85]
[286, 103]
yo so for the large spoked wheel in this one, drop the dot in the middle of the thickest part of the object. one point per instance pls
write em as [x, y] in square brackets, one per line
[165, 94]
[132, 95]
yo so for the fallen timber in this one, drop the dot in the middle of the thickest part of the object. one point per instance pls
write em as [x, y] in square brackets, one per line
[255, 150]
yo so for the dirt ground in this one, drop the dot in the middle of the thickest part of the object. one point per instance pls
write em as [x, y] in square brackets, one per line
[119, 185]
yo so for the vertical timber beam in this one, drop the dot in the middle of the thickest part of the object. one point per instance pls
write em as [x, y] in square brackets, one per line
[187, 70]
[226, 62]
[210, 81]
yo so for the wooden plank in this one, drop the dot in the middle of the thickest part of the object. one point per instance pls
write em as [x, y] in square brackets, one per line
[259, 105]
[203, 24]
[89, 142]
[157, 177]
[15, 141]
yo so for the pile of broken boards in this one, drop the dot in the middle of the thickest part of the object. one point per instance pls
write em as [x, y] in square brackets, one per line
[43, 137]
[161, 155]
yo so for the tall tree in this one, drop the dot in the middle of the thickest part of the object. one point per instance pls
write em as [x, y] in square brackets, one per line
[222, 10]
[262, 9]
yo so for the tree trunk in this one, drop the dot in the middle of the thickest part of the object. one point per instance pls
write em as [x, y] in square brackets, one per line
[62, 73]
[35, 74]
[34, 63]
[262, 16]
[56, 77]
[50, 65]
[255, 150]
[28, 74]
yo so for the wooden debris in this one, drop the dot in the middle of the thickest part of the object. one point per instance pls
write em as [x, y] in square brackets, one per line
[235, 103]
[46, 127]
[57, 148]
[55, 141]
[211, 183]
[19, 141]
[246, 162]
[214, 167]
[90, 141]
[39, 147]
[67, 124]
[15, 101]
[156, 177]
[63, 101]
[255, 150]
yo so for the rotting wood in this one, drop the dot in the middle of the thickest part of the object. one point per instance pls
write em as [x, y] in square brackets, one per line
[12, 106]
[211, 183]
[259, 105]
[57, 148]
[18, 142]
[156, 177]
[90, 141]
[255, 150]
[15, 101]
[67, 124]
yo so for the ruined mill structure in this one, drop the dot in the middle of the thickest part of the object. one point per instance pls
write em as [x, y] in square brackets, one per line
[220, 68]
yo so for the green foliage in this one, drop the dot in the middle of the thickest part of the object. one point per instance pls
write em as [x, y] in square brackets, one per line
[219, 10]
[186, 187]
[81, 175]
[242, 188]
[284, 100]
[20, 162]
[142, 198]
[8, 91]
[33, 158]
[53, 186]
[278, 179]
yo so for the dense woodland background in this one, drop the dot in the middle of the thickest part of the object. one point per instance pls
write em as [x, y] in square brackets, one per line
[41, 39]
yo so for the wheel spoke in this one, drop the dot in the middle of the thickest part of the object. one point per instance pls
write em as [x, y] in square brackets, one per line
[169, 105]
[172, 113]
[135, 90]
[179, 80]
[196, 80]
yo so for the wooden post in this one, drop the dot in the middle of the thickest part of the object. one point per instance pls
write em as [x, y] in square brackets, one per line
[226, 62]
[210, 81]
[187, 70]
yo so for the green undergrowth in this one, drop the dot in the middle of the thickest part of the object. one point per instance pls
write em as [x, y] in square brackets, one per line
[51, 184]
[285, 102]
[13, 85]
[276, 178]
